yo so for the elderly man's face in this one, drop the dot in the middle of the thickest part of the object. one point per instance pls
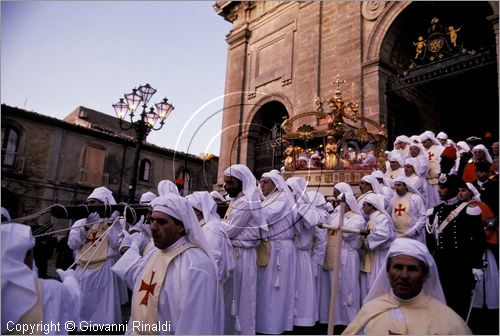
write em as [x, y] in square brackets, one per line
[232, 185]
[164, 230]
[406, 276]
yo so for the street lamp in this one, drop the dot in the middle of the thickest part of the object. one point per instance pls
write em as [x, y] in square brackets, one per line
[147, 121]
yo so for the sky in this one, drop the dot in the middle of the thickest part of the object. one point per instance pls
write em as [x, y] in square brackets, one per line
[58, 55]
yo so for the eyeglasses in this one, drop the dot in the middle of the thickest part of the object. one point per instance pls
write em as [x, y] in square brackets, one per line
[264, 181]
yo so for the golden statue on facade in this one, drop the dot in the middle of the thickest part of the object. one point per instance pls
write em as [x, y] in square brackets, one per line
[331, 156]
[420, 44]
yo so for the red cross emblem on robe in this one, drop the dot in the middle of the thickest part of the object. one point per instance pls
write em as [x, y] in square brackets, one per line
[400, 209]
[149, 288]
[430, 155]
[94, 237]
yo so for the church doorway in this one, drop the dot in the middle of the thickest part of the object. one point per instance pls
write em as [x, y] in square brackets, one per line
[264, 138]
[452, 84]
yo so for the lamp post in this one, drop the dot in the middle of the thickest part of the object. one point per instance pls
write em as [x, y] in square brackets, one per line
[146, 121]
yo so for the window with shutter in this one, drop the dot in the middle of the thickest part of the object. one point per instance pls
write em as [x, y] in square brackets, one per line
[92, 170]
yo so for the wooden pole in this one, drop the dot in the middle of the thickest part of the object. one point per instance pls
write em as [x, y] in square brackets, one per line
[336, 270]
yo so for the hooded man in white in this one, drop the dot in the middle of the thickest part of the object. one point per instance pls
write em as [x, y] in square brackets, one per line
[245, 221]
[320, 240]
[96, 245]
[306, 305]
[433, 149]
[376, 243]
[28, 300]
[424, 314]
[214, 231]
[166, 187]
[401, 145]
[396, 163]
[205, 209]
[348, 292]
[412, 171]
[175, 286]
[386, 185]
[368, 185]
[276, 279]
[417, 151]
[407, 210]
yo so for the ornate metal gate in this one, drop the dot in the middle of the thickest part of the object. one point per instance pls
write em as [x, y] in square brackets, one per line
[269, 153]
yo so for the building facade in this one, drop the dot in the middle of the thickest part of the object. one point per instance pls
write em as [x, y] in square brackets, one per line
[411, 66]
[49, 161]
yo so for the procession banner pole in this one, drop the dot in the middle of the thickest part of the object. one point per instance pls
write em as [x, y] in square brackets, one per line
[336, 269]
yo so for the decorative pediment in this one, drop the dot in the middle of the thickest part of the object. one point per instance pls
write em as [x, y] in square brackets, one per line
[439, 42]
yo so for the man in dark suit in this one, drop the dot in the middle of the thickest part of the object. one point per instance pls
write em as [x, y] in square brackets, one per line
[455, 237]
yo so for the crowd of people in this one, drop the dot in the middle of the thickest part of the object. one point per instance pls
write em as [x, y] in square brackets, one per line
[414, 251]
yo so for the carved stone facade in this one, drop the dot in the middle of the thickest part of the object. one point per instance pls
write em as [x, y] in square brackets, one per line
[287, 53]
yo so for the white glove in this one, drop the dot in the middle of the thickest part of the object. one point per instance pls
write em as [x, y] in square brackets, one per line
[91, 219]
[113, 216]
[478, 274]
[146, 231]
[69, 273]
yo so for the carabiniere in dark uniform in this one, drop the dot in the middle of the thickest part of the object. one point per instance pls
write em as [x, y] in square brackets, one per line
[457, 248]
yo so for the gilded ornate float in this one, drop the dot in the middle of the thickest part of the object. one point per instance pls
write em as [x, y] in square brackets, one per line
[339, 143]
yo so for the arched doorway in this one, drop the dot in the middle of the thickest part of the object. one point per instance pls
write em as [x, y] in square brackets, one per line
[456, 91]
[264, 138]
